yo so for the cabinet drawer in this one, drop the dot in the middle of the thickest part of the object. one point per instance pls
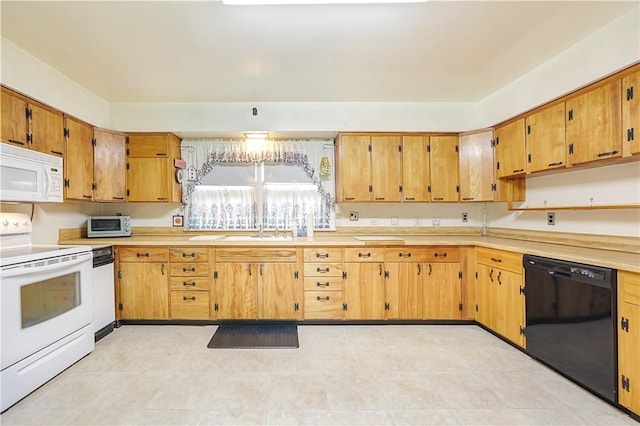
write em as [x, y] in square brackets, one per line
[629, 284]
[189, 304]
[189, 254]
[189, 269]
[323, 305]
[253, 255]
[507, 260]
[332, 254]
[364, 254]
[443, 254]
[408, 254]
[323, 283]
[143, 254]
[323, 270]
[188, 283]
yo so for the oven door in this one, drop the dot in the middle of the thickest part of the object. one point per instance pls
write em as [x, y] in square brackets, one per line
[42, 302]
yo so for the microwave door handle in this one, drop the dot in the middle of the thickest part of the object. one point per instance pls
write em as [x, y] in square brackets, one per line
[21, 270]
[46, 182]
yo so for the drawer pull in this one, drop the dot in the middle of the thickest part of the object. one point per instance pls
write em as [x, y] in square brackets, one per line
[188, 255]
[491, 275]
[606, 154]
[404, 254]
[409, 198]
[142, 254]
[191, 284]
[559, 163]
[188, 269]
[192, 298]
[496, 260]
[499, 274]
[518, 171]
[349, 198]
[440, 254]
[319, 284]
[323, 270]
[16, 142]
[321, 298]
[322, 255]
[364, 254]
[438, 198]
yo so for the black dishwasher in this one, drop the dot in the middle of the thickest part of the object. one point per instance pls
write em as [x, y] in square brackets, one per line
[571, 321]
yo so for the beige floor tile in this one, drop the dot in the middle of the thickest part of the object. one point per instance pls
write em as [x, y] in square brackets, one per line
[435, 416]
[234, 417]
[184, 391]
[241, 391]
[299, 417]
[21, 415]
[298, 391]
[356, 390]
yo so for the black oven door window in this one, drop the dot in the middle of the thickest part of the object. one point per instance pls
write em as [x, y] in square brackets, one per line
[47, 299]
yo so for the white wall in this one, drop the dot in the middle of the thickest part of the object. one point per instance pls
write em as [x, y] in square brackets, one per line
[24, 73]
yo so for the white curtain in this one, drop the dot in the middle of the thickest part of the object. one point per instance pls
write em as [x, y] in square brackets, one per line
[235, 207]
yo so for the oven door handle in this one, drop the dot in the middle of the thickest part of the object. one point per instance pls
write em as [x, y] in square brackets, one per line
[12, 271]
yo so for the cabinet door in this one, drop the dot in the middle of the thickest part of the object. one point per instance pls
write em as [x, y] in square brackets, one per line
[486, 294]
[476, 167]
[629, 340]
[545, 139]
[148, 145]
[364, 291]
[279, 291]
[354, 169]
[47, 130]
[415, 168]
[147, 179]
[14, 119]
[78, 169]
[441, 291]
[404, 294]
[109, 166]
[386, 168]
[631, 112]
[237, 290]
[594, 123]
[510, 318]
[444, 168]
[510, 149]
[144, 290]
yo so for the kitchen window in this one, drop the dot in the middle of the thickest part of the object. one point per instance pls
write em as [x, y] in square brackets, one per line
[232, 185]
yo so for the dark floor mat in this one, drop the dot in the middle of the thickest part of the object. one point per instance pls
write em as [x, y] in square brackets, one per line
[255, 335]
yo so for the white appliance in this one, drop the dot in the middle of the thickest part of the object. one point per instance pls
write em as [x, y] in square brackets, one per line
[104, 309]
[31, 176]
[46, 300]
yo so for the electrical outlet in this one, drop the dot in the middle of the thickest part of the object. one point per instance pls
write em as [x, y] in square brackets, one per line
[551, 218]
[435, 221]
[417, 221]
[465, 217]
[353, 216]
[394, 221]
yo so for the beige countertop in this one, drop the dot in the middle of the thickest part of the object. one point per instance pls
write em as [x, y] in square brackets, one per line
[606, 258]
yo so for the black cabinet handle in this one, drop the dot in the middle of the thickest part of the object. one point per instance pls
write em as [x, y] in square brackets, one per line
[559, 163]
[518, 171]
[188, 255]
[364, 254]
[606, 154]
[440, 254]
[86, 196]
[404, 254]
[16, 142]
[499, 274]
[322, 270]
[409, 198]
[468, 198]
[319, 284]
[117, 198]
[496, 260]
[322, 255]
[142, 254]
[438, 198]
[161, 198]
[325, 298]
[379, 198]
[161, 154]
[191, 284]
[491, 275]
[349, 198]
[188, 269]
[57, 153]
[192, 298]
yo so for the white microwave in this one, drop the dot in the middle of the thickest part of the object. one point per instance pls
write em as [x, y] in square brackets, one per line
[30, 176]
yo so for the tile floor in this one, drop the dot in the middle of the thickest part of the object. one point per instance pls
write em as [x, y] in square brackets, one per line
[340, 375]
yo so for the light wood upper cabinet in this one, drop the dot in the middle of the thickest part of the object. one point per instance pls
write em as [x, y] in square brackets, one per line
[47, 129]
[109, 167]
[415, 169]
[78, 170]
[386, 168]
[545, 139]
[510, 149]
[594, 123]
[354, 168]
[14, 119]
[150, 169]
[629, 340]
[444, 168]
[477, 180]
[631, 113]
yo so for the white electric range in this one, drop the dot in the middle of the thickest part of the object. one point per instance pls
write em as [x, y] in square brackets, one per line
[46, 300]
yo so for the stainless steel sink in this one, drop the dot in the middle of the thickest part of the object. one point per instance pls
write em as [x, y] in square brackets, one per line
[258, 238]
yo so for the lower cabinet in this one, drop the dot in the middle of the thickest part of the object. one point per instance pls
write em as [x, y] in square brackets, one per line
[143, 277]
[190, 283]
[258, 284]
[500, 303]
[364, 283]
[629, 340]
[323, 283]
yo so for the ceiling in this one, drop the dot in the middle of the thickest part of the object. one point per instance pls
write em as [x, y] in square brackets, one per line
[204, 51]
